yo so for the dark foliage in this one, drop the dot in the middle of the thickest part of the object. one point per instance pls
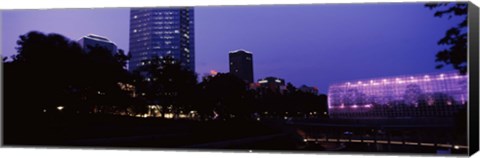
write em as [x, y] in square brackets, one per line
[225, 94]
[455, 37]
[163, 81]
[51, 72]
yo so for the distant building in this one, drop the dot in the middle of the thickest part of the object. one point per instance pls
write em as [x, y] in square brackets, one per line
[241, 65]
[92, 40]
[307, 89]
[424, 95]
[273, 84]
[129, 88]
[162, 32]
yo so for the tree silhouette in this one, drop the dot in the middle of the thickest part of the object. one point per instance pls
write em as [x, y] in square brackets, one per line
[104, 72]
[123, 57]
[4, 59]
[40, 68]
[50, 71]
[227, 95]
[291, 88]
[37, 80]
[455, 37]
[164, 81]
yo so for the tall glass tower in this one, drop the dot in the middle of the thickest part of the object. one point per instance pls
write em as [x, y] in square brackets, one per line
[162, 32]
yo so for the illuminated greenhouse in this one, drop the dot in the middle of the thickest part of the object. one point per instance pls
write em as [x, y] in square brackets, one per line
[425, 95]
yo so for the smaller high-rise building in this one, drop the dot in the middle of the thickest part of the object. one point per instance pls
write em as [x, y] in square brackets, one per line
[91, 40]
[241, 65]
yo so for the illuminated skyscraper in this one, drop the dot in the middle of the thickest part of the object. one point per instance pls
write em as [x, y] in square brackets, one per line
[241, 65]
[162, 32]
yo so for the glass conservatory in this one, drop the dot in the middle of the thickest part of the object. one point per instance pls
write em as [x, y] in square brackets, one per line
[425, 95]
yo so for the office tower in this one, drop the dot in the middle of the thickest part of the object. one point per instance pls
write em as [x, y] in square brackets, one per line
[423, 95]
[241, 65]
[92, 40]
[162, 32]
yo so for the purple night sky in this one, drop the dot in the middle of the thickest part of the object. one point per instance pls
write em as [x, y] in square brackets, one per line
[316, 45]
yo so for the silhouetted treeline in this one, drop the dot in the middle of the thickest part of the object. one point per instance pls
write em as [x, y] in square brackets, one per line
[52, 75]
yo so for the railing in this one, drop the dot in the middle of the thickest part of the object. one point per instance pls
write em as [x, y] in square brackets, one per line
[331, 131]
[379, 141]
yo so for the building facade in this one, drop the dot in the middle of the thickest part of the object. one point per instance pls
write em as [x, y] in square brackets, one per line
[91, 40]
[410, 96]
[241, 65]
[162, 32]
[272, 84]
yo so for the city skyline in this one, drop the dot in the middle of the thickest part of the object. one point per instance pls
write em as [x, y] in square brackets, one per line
[310, 49]
[327, 77]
